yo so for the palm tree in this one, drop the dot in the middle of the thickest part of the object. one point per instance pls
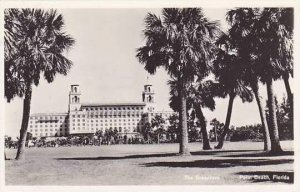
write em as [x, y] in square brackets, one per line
[230, 74]
[240, 39]
[200, 95]
[34, 44]
[269, 32]
[285, 34]
[274, 58]
[181, 43]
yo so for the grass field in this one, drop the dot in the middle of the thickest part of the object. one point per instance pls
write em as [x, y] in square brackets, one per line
[237, 163]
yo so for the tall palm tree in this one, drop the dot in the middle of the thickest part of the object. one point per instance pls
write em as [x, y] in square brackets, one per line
[285, 34]
[274, 50]
[230, 74]
[181, 42]
[34, 45]
[240, 38]
[200, 95]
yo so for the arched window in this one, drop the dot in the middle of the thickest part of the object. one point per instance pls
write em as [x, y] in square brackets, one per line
[73, 99]
[150, 98]
[75, 89]
[149, 89]
[76, 99]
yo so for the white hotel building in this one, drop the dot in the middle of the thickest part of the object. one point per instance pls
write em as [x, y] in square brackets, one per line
[82, 118]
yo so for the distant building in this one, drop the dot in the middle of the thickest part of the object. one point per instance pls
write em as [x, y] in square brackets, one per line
[87, 118]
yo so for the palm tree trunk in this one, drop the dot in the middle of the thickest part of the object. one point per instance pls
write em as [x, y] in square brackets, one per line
[288, 88]
[267, 141]
[227, 122]
[183, 147]
[24, 125]
[290, 95]
[273, 128]
[199, 113]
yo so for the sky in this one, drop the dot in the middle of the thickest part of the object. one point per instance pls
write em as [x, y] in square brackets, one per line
[105, 67]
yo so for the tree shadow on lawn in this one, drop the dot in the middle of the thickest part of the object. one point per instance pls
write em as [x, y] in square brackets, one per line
[219, 163]
[120, 157]
[152, 155]
[261, 154]
[262, 176]
[220, 151]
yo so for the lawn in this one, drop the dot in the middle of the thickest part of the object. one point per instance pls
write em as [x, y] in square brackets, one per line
[237, 163]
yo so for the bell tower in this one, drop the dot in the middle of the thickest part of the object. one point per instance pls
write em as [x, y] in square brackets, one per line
[148, 98]
[74, 98]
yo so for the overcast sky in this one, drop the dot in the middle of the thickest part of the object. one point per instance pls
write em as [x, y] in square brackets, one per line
[107, 70]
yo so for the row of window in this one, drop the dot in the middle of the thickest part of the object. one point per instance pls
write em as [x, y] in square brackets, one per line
[109, 114]
[112, 108]
[52, 121]
[48, 118]
[50, 134]
[31, 126]
[83, 120]
[120, 129]
[41, 130]
[83, 124]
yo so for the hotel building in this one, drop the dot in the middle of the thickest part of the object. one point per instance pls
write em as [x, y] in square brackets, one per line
[87, 118]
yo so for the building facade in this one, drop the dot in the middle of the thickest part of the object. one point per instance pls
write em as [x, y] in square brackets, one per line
[87, 118]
